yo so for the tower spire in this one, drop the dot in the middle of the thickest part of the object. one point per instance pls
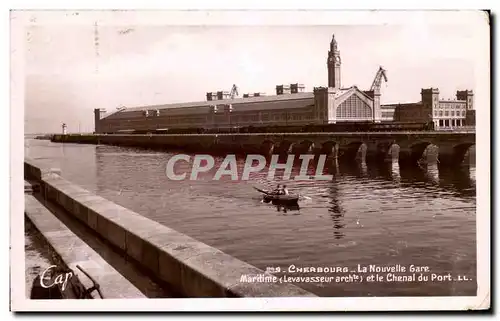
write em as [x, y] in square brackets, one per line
[333, 65]
[333, 44]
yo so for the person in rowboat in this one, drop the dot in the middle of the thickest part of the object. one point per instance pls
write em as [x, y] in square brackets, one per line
[277, 191]
[285, 190]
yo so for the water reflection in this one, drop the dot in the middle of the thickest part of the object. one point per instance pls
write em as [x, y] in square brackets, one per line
[472, 175]
[332, 166]
[336, 213]
[199, 208]
[431, 172]
[99, 163]
[389, 171]
[288, 208]
[395, 172]
[460, 180]
[354, 168]
[363, 169]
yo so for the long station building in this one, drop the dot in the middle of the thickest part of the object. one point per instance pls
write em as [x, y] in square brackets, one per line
[290, 105]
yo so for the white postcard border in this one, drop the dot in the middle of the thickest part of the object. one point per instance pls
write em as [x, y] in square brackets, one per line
[482, 99]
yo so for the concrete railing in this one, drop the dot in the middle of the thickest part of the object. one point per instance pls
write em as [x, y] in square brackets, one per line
[189, 266]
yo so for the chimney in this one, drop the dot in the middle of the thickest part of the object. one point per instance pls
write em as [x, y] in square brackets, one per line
[282, 89]
[209, 96]
[219, 95]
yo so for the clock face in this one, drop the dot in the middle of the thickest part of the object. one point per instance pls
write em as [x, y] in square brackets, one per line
[337, 59]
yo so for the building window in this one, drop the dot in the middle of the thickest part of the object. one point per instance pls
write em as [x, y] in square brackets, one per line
[353, 107]
[446, 113]
[441, 113]
[441, 123]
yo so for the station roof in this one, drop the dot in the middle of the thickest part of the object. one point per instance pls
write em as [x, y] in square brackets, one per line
[284, 101]
[247, 102]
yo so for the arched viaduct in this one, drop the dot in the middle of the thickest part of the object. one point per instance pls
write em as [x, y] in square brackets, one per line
[382, 146]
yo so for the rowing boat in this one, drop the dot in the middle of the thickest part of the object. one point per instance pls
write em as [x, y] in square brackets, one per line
[283, 199]
[277, 199]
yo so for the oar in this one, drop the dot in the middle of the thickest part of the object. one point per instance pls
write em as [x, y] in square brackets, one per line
[262, 191]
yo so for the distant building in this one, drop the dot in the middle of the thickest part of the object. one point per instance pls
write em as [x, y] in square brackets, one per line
[387, 112]
[291, 105]
[445, 114]
[470, 117]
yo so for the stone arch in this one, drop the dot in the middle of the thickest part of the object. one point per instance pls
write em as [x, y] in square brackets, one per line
[285, 146]
[330, 148]
[388, 151]
[306, 147]
[267, 147]
[460, 150]
[355, 150]
[417, 150]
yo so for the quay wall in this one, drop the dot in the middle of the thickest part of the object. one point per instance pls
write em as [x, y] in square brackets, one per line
[191, 267]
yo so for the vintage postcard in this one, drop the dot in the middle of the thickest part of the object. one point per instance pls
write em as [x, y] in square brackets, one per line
[250, 160]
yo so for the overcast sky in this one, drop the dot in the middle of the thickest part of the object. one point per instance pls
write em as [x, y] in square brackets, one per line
[68, 75]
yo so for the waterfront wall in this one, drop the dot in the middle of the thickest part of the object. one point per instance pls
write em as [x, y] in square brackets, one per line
[193, 268]
[403, 146]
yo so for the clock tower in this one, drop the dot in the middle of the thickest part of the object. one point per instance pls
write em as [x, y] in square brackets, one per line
[333, 65]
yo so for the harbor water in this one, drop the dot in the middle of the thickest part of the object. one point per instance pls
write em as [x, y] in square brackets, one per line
[379, 215]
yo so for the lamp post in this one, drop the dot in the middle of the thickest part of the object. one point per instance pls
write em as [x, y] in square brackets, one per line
[230, 109]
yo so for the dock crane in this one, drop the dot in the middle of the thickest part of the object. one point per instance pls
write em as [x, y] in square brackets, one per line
[234, 92]
[220, 95]
[381, 73]
[374, 92]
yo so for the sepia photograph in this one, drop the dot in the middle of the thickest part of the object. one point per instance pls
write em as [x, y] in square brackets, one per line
[273, 160]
